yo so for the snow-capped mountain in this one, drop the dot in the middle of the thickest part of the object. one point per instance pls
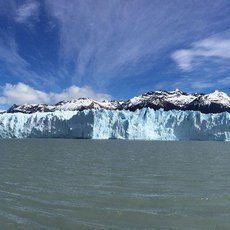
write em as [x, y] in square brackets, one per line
[215, 102]
[86, 103]
[166, 100]
[72, 105]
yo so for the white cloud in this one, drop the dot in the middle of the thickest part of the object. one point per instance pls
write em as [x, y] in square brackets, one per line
[26, 11]
[22, 93]
[76, 92]
[183, 58]
[204, 50]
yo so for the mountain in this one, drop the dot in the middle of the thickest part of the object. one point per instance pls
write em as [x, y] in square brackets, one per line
[72, 105]
[215, 102]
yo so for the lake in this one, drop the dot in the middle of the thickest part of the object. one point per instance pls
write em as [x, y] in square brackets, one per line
[114, 184]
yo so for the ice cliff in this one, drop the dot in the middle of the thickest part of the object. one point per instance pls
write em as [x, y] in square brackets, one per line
[145, 124]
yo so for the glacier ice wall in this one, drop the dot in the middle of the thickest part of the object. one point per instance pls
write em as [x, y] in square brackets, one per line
[145, 124]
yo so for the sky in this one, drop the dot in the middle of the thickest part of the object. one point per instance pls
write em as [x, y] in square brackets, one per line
[52, 50]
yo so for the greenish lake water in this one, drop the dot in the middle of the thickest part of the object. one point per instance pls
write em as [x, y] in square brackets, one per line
[89, 184]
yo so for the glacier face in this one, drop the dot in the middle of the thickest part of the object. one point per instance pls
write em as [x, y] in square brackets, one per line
[146, 124]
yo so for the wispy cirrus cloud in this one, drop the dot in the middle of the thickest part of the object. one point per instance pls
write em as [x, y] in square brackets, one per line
[103, 40]
[198, 84]
[14, 64]
[27, 11]
[9, 54]
[107, 45]
[222, 82]
[201, 52]
[22, 93]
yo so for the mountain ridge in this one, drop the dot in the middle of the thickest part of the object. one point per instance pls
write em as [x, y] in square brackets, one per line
[215, 102]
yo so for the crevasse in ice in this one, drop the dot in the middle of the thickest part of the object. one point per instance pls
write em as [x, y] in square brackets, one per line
[146, 124]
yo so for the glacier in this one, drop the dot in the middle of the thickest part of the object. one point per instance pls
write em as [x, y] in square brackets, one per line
[145, 124]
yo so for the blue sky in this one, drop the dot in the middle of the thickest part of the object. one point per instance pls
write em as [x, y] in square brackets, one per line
[111, 49]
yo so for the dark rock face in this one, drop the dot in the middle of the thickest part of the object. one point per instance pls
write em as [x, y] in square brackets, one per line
[215, 102]
[30, 108]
